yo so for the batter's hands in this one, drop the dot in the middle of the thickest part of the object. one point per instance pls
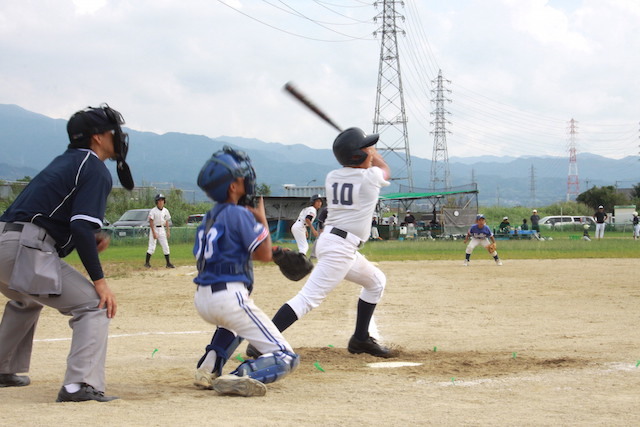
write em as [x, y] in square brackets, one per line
[102, 241]
[107, 298]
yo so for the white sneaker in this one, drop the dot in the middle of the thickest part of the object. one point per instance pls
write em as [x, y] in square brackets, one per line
[465, 263]
[498, 262]
[240, 386]
[204, 379]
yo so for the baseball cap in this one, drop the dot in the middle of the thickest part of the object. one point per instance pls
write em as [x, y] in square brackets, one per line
[479, 216]
[506, 217]
[87, 122]
[535, 210]
[600, 207]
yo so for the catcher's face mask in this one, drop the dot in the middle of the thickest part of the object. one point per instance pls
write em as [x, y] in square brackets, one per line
[120, 146]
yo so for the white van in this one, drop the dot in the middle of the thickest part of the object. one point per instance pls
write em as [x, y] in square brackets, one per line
[566, 220]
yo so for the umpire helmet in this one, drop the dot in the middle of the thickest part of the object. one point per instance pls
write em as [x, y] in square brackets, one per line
[348, 145]
[222, 169]
[91, 121]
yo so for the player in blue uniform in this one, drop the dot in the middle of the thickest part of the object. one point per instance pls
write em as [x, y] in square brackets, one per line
[229, 237]
[479, 234]
[61, 209]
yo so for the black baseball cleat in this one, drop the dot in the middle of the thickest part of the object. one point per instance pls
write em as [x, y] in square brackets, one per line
[85, 394]
[171, 266]
[252, 352]
[369, 346]
[13, 380]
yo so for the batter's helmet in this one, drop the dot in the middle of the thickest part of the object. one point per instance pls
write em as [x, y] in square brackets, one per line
[315, 197]
[91, 121]
[160, 197]
[347, 148]
[222, 169]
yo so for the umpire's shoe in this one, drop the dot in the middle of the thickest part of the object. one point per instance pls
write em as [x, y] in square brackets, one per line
[86, 393]
[369, 346]
[13, 380]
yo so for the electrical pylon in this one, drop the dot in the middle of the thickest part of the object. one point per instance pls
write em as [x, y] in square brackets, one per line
[440, 159]
[573, 185]
[390, 119]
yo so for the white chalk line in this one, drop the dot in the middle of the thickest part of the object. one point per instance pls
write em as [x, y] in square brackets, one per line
[139, 334]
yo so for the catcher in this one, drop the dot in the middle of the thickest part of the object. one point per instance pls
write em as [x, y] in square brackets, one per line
[480, 234]
[231, 235]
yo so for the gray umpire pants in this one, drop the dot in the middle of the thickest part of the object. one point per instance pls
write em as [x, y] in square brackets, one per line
[79, 299]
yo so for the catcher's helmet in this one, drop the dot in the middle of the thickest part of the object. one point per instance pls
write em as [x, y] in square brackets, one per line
[221, 169]
[348, 145]
[160, 196]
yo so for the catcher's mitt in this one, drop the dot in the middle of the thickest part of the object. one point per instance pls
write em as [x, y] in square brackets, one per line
[293, 265]
[491, 248]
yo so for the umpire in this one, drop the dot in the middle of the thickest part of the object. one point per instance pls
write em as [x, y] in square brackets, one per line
[60, 210]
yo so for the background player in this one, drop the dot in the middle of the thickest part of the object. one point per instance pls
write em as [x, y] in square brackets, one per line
[636, 226]
[227, 240]
[352, 194]
[159, 230]
[59, 210]
[600, 216]
[305, 222]
[480, 234]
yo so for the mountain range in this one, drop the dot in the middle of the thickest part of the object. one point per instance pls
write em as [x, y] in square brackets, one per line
[29, 141]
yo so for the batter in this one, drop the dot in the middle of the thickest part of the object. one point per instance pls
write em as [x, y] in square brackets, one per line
[352, 194]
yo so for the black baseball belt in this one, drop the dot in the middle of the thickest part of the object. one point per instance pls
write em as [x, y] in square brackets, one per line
[12, 226]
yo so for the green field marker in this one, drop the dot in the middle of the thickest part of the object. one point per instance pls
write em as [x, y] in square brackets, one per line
[514, 354]
[318, 367]
[155, 350]
[435, 349]
[239, 357]
[638, 364]
[453, 380]
[330, 346]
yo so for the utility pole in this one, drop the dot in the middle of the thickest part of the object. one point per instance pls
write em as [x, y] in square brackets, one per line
[533, 186]
[390, 119]
[440, 158]
[573, 185]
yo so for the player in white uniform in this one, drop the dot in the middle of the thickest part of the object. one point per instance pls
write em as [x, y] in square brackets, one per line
[636, 226]
[159, 230]
[352, 194]
[304, 222]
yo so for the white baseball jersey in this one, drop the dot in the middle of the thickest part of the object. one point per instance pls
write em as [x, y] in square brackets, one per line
[308, 211]
[352, 195]
[159, 217]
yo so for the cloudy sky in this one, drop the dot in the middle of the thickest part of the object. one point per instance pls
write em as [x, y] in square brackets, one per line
[519, 70]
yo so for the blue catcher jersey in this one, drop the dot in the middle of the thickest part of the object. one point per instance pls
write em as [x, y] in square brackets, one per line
[480, 233]
[224, 253]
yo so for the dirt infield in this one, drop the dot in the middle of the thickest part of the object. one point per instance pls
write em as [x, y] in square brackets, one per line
[535, 342]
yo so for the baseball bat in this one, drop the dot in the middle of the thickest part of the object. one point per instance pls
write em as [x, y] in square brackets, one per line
[289, 87]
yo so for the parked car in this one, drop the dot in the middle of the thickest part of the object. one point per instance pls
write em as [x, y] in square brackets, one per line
[134, 222]
[194, 220]
[566, 221]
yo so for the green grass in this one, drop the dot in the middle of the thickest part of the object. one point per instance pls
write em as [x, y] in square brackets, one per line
[127, 255]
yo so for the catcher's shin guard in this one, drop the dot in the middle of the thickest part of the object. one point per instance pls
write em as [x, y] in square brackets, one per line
[269, 367]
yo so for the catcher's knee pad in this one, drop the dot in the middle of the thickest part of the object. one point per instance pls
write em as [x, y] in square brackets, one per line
[269, 367]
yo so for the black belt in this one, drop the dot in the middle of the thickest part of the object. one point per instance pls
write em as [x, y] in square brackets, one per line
[339, 232]
[158, 226]
[12, 226]
[217, 287]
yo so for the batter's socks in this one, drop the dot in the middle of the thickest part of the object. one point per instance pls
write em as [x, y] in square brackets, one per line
[285, 317]
[169, 265]
[146, 263]
[467, 256]
[365, 313]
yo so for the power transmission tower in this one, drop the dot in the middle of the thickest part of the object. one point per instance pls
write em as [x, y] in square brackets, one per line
[390, 119]
[440, 159]
[533, 187]
[573, 185]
